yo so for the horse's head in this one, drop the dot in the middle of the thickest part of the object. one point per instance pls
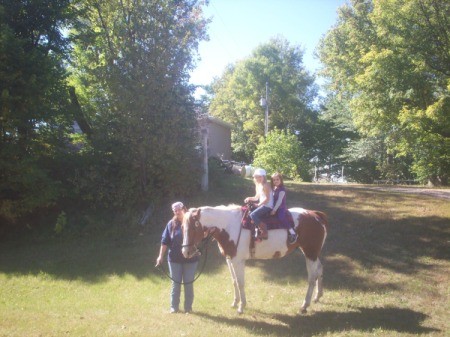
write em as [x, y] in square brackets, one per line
[192, 233]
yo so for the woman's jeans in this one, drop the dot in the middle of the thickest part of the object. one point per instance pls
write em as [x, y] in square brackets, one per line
[182, 273]
[258, 213]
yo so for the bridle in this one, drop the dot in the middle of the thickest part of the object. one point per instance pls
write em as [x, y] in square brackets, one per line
[198, 252]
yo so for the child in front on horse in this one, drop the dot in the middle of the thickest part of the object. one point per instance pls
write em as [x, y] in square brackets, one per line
[279, 200]
[264, 200]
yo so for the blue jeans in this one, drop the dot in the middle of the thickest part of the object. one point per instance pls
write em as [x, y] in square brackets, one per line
[258, 213]
[182, 273]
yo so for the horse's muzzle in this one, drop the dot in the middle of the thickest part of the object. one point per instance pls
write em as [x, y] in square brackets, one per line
[189, 253]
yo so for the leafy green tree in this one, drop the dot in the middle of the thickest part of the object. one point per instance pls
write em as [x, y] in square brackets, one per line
[363, 158]
[131, 67]
[33, 105]
[291, 94]
[390, 59]
[282, 152]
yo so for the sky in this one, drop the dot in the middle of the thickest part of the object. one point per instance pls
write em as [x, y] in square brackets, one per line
[239, 26]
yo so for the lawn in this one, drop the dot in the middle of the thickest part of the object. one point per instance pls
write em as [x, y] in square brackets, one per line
[386, 260]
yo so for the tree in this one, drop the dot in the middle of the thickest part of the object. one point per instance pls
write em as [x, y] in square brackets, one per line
[390, 59]
[33, 104]
[130, 64]
[282, 152]
[237, 95]
[334, 131]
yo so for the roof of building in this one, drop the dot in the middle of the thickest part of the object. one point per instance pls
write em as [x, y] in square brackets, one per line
[216, 120]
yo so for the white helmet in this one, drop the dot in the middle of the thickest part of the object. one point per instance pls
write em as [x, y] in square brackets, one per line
[259, 172]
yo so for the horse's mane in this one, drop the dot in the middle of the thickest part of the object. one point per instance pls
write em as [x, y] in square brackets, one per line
[230, 207]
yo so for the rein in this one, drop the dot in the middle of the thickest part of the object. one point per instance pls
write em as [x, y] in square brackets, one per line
[199, 251]
[240, 226]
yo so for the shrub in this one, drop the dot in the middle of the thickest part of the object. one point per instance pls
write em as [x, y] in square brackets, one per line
[282, 152]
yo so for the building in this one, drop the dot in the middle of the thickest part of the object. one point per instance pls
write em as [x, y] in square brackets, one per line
[216, 142]
[218, 137]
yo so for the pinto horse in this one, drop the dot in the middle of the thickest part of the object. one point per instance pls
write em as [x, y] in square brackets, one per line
[223, 223]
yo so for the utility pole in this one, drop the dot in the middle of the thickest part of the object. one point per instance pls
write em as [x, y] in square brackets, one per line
[264, 102]
[205, 180]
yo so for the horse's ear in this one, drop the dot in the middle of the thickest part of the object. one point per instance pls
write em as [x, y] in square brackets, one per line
[196, 213]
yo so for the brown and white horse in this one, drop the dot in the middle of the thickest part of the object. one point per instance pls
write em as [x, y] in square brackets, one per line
[224, 224]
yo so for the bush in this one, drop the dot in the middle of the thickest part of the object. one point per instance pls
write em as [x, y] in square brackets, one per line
[282, 152]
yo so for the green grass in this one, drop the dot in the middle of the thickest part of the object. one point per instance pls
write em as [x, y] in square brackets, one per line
[386, 261]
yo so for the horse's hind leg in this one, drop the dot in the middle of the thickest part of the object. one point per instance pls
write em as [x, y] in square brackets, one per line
[319, 281]
[312, 269]
[237, 298]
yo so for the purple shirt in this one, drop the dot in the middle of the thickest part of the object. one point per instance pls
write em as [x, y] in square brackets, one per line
[281, 211]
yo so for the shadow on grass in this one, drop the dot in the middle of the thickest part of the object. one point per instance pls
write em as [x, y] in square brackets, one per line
[364, 320]
[90, 260]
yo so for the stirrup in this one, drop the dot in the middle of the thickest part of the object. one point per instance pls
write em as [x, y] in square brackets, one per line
[292, 238]
[260, 237]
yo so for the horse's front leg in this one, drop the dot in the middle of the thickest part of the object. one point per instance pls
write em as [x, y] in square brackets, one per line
[237, 298]
[239, 271]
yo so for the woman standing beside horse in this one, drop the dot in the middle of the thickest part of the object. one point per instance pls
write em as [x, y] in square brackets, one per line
[182, 270]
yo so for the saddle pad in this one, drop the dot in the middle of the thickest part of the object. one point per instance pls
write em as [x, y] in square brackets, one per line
[271, 221]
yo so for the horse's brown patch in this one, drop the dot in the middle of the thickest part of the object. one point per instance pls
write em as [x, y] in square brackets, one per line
[311, 226]
[277, 255]
[227, 246]
[197, 233]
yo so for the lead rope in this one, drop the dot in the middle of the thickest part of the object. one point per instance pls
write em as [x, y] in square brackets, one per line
[164, 271]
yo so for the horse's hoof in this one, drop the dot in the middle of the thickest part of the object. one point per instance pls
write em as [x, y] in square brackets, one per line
[317, 298]
[303, 311]
[240, 311]
[234, 305]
